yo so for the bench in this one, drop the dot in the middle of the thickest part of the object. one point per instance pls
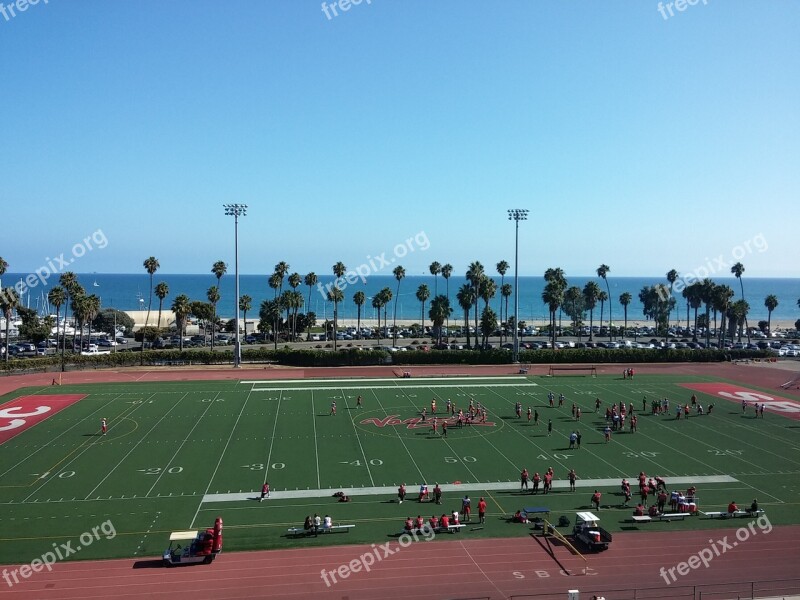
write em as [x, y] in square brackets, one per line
[452, 528]
[641, 518]
[300, 531]
[727, 515]
[523, 370]
[673, 516]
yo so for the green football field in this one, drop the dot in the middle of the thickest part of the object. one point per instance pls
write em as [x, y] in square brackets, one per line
[179, 454]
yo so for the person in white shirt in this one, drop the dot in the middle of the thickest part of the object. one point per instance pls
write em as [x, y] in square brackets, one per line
[327, 523]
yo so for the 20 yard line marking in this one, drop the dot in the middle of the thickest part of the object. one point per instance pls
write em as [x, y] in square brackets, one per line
[188, 435]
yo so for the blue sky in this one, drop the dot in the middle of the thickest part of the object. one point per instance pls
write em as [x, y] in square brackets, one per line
[637, 141]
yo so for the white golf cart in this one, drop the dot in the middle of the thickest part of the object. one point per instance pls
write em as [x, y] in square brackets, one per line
[190, 547]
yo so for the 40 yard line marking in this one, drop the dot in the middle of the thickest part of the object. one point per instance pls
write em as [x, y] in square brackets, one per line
[314, 422]
[358, 439]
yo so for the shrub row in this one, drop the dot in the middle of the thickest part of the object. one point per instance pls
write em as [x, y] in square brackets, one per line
[354, 357]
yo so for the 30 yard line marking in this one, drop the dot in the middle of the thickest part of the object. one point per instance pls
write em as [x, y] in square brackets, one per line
[272, 438]
[222, 455]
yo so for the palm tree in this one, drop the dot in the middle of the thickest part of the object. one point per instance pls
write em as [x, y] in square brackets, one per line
[557, 276]
[57, 297]
[339, 270]
[151, 266]
[399, 273]
[552, 296]
[294, 282]
[275, 281]
[466, 297]
[423, 293]
[591, 293]
[9, 301]
[739, 310]
[435, 269]
[694, 299]
[505, 293]
[77, 292]
[602, 297]
[488, 322]
[386, 298]
[310, 280]
[447, 271]
[602, 273]
[625, 300]
[359, 298]
[488, 290]
[181, 308]
[440, 311]
[721, 301]
[213, 297]
[68, 280]
[377, 304]
[162, 290]
[3, 267]
[281, 269]
[245, 304]
[79, 310]
[672, 277]
[92, 310]
[475, 275]
[738, 271]
[706, 295]
[502, 268]
[573, 301]
[771, 303]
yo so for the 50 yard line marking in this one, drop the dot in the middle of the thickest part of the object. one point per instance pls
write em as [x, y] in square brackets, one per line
[221, 456]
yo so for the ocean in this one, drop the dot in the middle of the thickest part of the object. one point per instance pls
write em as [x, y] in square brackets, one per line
[131, 292]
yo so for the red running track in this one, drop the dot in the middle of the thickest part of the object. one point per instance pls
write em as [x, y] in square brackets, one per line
[494, 568]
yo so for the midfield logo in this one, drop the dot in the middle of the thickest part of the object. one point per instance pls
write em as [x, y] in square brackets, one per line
[417, 422]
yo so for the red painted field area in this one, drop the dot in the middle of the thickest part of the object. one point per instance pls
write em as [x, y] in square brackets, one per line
[21, 413]
[734, 393]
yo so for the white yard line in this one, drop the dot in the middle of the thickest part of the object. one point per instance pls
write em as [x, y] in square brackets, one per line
[386, 387]
[316, 447]
[272, 438]
[400, 437]
[141, 439]
[360, 445]
[221, 456]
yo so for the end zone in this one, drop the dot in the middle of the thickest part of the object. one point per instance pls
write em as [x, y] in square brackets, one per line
[22, 413]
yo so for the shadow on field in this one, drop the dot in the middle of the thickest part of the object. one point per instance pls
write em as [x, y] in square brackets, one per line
[148, 564]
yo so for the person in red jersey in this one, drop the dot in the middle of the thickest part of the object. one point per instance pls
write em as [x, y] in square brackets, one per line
[103, 425]
[264, 491]
[482, 510]
[401, 493]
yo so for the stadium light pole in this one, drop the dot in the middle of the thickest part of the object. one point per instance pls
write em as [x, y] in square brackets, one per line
[236, 211]
[516, 215]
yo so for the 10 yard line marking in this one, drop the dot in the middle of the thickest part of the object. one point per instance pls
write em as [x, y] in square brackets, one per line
[221, 456]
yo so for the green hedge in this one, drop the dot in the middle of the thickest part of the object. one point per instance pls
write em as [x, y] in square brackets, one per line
[354, 357]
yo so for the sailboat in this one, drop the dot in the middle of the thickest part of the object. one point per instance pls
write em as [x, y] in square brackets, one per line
[95, 284]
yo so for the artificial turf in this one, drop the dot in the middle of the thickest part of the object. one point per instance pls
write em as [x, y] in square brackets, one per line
[171, 444]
